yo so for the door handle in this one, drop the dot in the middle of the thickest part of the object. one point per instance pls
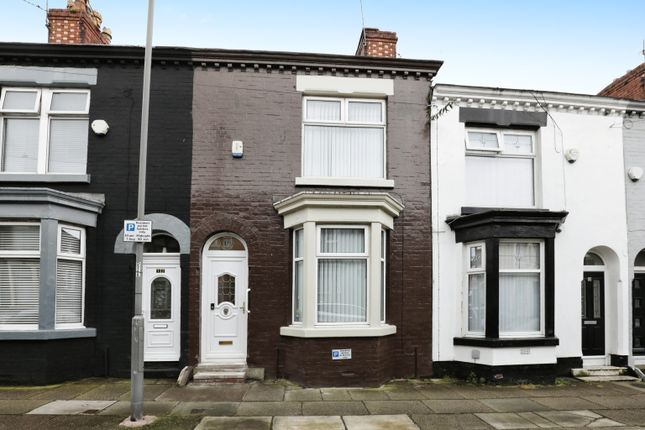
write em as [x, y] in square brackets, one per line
[243, 307]
[212, 306]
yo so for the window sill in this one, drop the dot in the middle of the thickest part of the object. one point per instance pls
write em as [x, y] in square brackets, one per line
[506, 342]
[48, 177]
[345, 182]
[75, 333]
[298, 331]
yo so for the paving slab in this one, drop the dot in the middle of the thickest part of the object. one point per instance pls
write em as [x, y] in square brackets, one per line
[449, 422]
[106, 392]
[308, 423]
[441, 392]
[389, 407]
[25, 422]
[626, 416]
[617, 402]
[15, 407]
[72, 407]
[513, 405]
[150, 391]
[264, 393]
[206, 408]
[303, 395]
[94, 422]
[17, 393]
[367, 394]
[269, 408]
[335, 394]
[566, 403]
[504, 420]
[581, 418]
[234, 423]
[65, 392]
[380, 422]
[456, 406]
[534, 418]
[334, 408]
[211, 393]
[123, 408]
[402, 390]
[475, 392]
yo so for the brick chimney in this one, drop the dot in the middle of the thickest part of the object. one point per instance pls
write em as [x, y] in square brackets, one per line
[377, 43]
[77, 24]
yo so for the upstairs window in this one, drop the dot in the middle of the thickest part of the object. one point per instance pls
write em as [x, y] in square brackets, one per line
[500, 168]
[343, 138]
[43, 130]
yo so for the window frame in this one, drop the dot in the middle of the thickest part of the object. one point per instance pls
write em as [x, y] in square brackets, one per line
[500, 153]
[319, 255]
[383, 285]
[36, 255]
[296, 259]
[467, 273]
[541, 270]
[44, 114]
[345, 123]
[81, 256]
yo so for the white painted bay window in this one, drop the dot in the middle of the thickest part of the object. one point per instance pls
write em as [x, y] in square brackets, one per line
[43, 130]
[500, 168]
[339, 263]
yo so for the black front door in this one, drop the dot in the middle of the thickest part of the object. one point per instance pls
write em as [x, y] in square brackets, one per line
[593, 313]
[638, 314]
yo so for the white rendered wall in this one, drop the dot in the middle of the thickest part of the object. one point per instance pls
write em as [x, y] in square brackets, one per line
[592, 190]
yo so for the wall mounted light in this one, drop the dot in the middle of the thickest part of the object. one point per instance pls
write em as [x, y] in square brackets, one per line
[572, 155]
[100, 127]
[635, 173]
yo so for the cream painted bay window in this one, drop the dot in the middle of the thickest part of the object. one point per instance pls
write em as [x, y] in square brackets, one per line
[339, 256]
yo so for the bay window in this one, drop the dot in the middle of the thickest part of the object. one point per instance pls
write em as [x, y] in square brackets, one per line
[476, 288]
[43, 130]
[339, 263]
[500, 168]
[69, 276]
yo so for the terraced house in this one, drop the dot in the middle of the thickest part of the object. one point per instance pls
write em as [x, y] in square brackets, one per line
[289, 195]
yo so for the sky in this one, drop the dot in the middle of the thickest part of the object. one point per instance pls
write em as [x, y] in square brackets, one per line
[576, 46]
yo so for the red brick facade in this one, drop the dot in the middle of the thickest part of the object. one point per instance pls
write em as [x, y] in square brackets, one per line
[629, 86]
[376, 43]
[77, 24]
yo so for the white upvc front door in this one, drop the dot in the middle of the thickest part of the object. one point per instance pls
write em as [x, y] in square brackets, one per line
[224, 307]
[161, 307]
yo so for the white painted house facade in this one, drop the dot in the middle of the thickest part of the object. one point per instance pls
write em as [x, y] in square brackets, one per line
[531, 270]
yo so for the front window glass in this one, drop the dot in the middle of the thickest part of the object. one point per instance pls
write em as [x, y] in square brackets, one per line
[226, 289]
[161, 299]
[476, 279]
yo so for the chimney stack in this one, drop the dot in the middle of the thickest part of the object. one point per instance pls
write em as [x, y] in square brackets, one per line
[77, 24]
[377, 43]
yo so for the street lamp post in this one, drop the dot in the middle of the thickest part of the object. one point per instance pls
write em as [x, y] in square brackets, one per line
[136, 367]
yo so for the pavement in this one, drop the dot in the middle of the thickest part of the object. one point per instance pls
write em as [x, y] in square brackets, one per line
[100, 403]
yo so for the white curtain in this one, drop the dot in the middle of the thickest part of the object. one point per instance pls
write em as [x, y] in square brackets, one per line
[21, 145]
[342, 283]
[354, 152]
[519, 292]
[323, 110]
[365, 112]
[68, 145]
[499, 181]
[477, 303]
